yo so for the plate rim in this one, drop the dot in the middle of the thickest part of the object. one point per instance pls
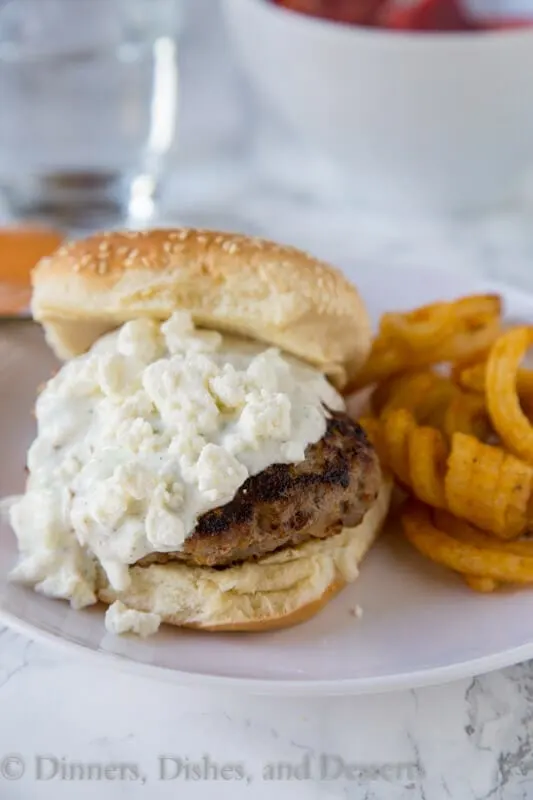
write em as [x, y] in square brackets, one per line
[383, 684]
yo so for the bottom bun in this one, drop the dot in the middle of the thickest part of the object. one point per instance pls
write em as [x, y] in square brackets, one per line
[283, 589]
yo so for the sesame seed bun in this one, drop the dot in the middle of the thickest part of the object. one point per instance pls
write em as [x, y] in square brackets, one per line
[236, 284]
[277, 591]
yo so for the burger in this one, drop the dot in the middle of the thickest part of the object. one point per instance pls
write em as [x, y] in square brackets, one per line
[194, 462]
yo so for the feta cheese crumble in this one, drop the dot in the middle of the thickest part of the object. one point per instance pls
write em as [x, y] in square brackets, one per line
[120, 619]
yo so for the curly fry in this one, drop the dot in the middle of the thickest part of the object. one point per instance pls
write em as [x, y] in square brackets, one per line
[387, 395]
[469, 345]
[424, 393]
[410, 393]
[462, 332]
[461, 556]
[481, 585]
[432, 408]
[428, 327]
[396, 428]
[503, 403]
[473, 379]
[462, 530]
[427, 464]
[488, 487]
[385, 359]
[423, 327]
[466, 413]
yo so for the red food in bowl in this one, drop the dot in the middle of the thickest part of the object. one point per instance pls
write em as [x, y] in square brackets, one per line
[428, 15]
[422, 15]
[352, 12]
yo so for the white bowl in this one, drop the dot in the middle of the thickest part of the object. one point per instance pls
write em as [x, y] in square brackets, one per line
[413, 121]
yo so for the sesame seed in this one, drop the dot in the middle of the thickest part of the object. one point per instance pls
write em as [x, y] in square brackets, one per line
[230, 247]
[63, 251]
[133, 253]
[103, 247]
[145, 261]
[76, 267]
[182, 235]
[201, 239]
[167, 247]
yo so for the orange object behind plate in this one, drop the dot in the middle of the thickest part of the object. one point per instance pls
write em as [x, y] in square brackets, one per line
[20, 249]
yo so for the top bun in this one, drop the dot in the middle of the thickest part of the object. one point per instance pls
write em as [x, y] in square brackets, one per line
[236, 284]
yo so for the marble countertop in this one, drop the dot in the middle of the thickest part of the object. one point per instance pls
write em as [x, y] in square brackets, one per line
[70, 729]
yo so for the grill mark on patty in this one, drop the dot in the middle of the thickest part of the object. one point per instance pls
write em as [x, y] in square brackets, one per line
[287, 504]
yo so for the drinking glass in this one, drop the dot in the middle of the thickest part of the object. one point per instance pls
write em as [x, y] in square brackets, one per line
[88, 108]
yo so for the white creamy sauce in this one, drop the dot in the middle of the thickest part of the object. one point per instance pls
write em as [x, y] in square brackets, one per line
[155, 425]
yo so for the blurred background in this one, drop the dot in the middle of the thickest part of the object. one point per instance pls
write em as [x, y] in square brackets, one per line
[380, 130]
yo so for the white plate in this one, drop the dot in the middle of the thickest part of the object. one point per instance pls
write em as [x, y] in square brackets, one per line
[420, 624]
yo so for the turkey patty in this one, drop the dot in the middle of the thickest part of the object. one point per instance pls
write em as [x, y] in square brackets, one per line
[287, 504]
